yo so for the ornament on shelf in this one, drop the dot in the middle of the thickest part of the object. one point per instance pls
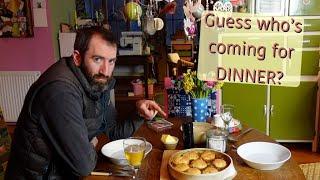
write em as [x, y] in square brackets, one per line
[133, 11]
[193, 10]
[222, 6]
[190, 28]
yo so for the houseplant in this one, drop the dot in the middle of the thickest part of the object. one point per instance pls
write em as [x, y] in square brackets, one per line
[199, 91]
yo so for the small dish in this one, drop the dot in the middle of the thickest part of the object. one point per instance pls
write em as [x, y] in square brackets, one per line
[114, 151]
[171, 145]
[264, 155]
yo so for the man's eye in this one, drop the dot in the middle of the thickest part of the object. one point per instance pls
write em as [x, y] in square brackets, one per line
[112, 61]
[97, 59]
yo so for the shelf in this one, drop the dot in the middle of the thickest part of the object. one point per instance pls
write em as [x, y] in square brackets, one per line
[123, 85]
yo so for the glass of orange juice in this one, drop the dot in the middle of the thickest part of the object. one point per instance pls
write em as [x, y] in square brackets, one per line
[134, 148]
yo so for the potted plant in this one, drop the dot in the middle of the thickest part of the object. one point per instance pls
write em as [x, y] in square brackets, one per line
[199, 91]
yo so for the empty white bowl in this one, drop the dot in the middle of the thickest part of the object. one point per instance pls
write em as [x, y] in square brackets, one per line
[264, 155]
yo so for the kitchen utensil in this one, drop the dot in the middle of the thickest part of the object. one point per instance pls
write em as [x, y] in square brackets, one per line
[98, 173]
[236, 138]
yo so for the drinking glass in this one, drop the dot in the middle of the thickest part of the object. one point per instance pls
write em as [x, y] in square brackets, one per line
[226, 114]
[134, 148]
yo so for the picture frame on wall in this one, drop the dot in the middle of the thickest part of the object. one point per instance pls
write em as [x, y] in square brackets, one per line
[16, 19]
[270, 7]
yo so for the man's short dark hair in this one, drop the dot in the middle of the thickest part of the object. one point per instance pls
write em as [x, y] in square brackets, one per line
[84, 36]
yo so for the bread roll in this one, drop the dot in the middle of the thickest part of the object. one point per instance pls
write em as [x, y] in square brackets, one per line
[220, 163]
[209, 170]
[181, 167]
[193, 171]
[208, 156]
[198, 163]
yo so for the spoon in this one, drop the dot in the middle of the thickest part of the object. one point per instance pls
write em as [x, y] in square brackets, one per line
[232, 138]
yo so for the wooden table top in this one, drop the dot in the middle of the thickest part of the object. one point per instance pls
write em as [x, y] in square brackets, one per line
[150, 168]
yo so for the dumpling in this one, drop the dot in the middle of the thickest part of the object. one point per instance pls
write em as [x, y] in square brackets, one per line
[220, 163]
[180, 160]
[181, 167]
[209, 170]
[198, 163]
[191, 155]
[193, 171]
[208, 156]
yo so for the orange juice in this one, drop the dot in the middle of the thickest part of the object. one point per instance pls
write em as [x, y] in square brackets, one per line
[134, 154]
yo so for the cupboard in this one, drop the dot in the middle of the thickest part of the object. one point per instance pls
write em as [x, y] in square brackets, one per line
[285, 113]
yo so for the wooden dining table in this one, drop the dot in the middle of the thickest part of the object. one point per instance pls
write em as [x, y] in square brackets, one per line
[150, 168]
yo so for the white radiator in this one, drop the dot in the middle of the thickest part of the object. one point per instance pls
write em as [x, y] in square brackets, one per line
[14, 86]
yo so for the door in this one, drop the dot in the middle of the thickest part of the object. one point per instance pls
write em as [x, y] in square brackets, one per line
[292, 112]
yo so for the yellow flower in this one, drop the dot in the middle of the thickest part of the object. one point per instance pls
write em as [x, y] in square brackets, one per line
[196, 87]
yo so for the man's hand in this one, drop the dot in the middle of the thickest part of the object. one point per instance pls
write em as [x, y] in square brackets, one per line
[148, 108]
[94, 141]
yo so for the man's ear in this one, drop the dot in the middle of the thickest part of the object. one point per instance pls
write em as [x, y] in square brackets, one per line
[76, 58]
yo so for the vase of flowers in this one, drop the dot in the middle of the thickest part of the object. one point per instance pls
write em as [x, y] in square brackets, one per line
[199, 107]
[199, 91]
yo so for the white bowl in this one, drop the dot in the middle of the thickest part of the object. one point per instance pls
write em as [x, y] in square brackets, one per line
[115, 153]
[264, 155]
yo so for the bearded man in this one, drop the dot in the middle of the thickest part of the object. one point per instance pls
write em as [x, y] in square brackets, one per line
[66, 108]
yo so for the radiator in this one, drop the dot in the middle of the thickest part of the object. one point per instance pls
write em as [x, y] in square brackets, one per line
[14, 86]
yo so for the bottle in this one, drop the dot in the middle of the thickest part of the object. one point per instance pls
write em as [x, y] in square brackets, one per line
[187, 128]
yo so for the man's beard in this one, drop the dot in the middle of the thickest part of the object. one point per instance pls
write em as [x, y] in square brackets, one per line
[98, 82]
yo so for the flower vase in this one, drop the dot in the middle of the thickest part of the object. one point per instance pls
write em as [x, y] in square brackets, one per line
[199, 108]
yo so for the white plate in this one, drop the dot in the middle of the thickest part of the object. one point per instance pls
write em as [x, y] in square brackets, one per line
[264, 155]
[114, 151]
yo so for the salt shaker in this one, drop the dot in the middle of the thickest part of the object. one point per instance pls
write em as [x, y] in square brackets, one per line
[187, 128]
[217, 139]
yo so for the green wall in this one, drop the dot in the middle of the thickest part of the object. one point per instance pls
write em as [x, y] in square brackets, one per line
[62, 11]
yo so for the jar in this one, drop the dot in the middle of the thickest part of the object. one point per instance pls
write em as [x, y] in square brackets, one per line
[217, 139]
